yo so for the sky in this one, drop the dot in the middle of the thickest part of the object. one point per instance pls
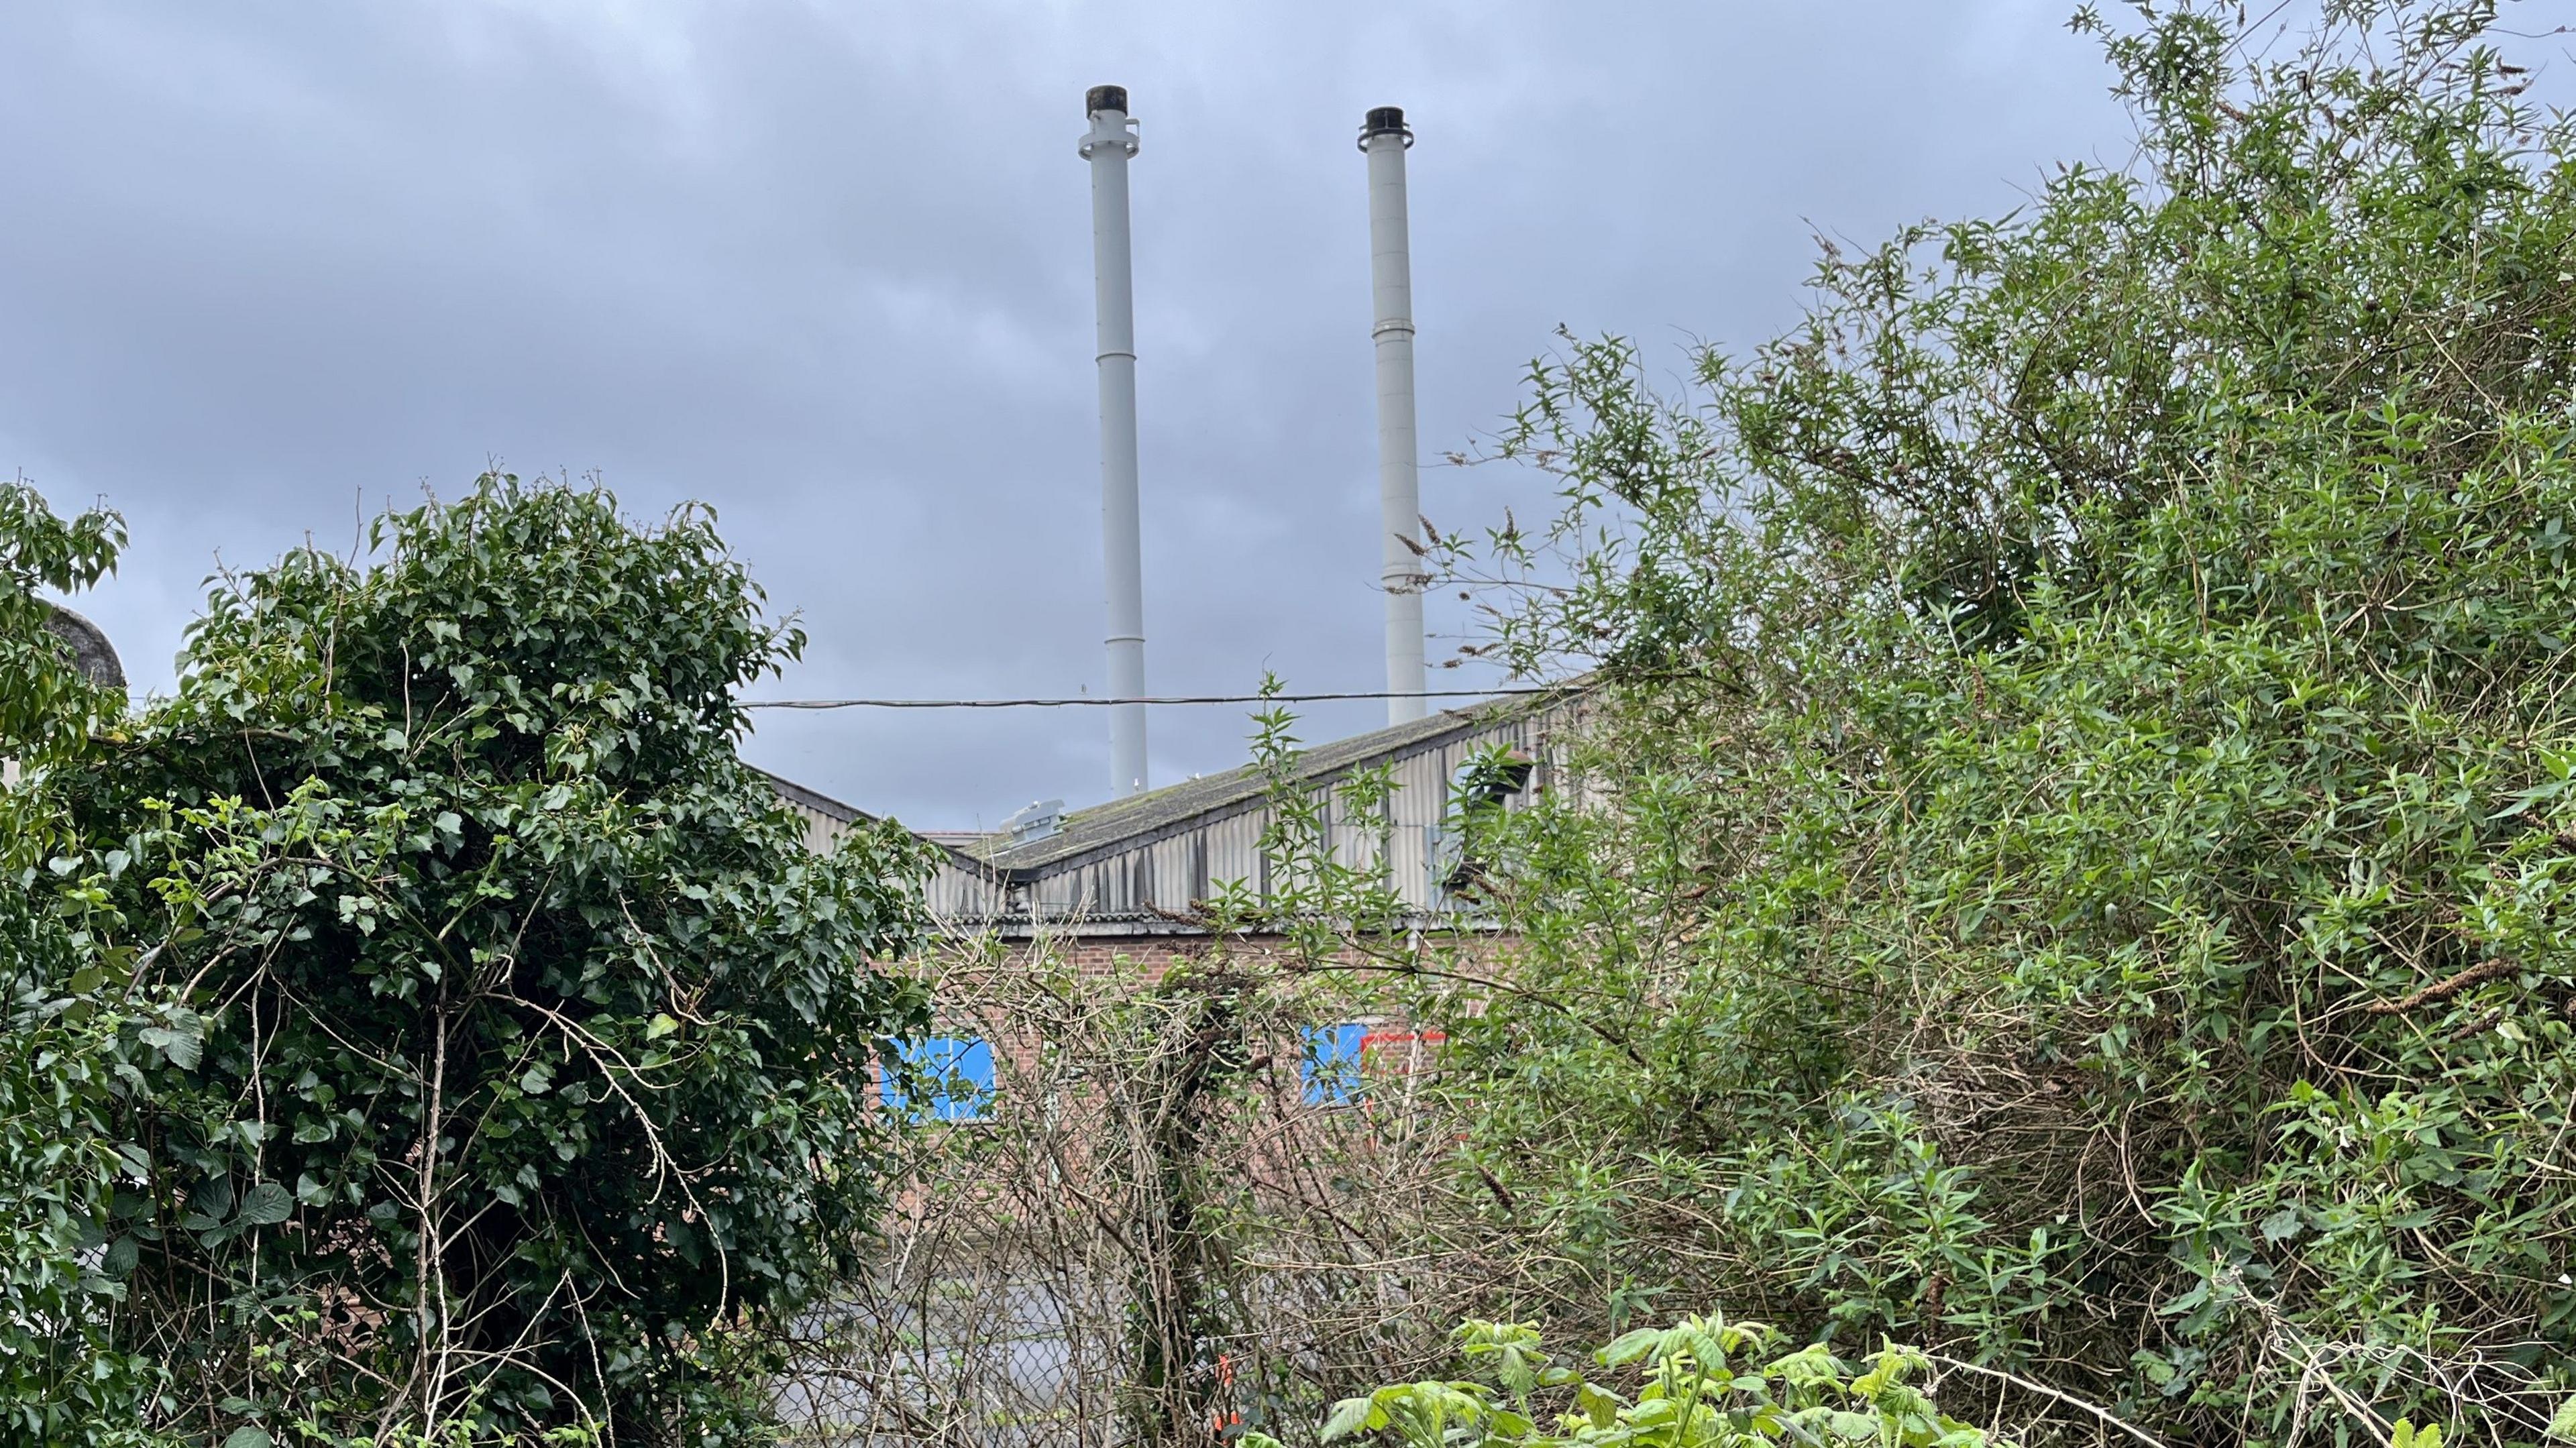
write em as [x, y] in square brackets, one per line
[268, 268]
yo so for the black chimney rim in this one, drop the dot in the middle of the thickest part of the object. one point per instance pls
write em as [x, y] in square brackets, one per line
[1385, 121]
[1105, 98]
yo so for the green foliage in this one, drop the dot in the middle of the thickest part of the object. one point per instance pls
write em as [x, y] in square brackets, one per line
[1706, 1385]
[497, 1055]
[1312, 896]
[62, 1379]
[45, 703]
[2081, 870]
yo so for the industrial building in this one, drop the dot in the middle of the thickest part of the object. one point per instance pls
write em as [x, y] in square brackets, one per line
[1132, 874]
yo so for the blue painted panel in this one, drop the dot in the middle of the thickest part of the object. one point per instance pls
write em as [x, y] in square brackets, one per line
[955, 1074]
[1331, 1070]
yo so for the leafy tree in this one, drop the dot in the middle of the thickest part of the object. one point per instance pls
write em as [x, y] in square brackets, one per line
[2077, 870]
[507, 1066]
[46, 703]
[62, 1379]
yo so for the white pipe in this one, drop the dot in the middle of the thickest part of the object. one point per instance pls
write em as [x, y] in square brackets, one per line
[1107, 145]
[1399, 484]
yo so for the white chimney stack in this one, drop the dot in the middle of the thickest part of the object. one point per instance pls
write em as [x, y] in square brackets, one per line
[1107, 145]
[1399, 484]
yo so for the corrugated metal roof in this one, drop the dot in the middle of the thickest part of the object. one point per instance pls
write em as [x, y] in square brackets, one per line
[821, 804]
[1123, 821]
[815, 802]
[1133, 862]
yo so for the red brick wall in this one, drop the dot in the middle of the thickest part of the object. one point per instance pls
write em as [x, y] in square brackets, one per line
[1392, 1046]
[1289, 1138]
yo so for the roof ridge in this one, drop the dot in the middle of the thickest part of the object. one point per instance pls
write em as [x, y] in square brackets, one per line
[1095, 827]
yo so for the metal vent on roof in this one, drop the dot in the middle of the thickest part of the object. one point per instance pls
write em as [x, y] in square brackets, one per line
[1037, 822]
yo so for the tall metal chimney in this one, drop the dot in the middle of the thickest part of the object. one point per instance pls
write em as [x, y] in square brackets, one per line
[1384, 136]
[1107, 145]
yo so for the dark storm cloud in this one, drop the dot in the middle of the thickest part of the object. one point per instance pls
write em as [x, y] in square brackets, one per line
[827, 267]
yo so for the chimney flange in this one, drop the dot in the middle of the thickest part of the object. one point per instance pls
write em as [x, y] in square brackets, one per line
[1385, 121]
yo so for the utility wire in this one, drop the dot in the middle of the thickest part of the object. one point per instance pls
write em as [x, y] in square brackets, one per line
[1087, 702]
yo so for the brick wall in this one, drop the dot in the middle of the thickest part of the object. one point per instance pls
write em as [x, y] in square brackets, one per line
[974, 1003]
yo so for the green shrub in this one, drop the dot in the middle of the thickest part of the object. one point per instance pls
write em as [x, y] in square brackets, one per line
[491, 1057]
[2082, 873]
[1706, 1383]
[63, 1380]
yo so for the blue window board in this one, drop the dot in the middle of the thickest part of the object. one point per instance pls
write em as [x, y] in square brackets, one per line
[954, 1072]
[1331, 1070]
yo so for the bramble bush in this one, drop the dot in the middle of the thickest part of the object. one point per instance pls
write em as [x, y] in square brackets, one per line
[2081, 873]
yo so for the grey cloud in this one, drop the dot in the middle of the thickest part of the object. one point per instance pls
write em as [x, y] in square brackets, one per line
[826, 266]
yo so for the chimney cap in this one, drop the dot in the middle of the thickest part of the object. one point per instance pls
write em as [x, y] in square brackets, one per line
[1105, 98]
[1385, 121]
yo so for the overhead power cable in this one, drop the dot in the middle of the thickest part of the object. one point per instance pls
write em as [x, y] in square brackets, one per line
[1088, 702]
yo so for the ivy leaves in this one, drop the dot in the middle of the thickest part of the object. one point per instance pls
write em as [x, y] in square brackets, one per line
[46, 703]
[446, 900]
[217, 1217]
[67, 1043]
[179, 1034]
